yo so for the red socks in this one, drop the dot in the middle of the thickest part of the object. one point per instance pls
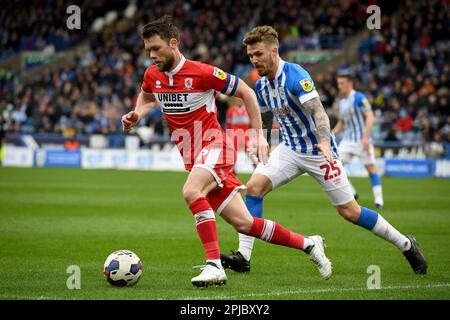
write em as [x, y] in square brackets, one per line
[272, 232]
[206, 227]
[263, 229]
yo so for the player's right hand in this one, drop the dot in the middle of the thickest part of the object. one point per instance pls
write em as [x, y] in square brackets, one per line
[259, 149]
[129, 120]
[325, 148]
[263, 149]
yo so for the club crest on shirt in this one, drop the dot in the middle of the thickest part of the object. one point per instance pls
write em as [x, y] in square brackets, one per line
[306, 85]
[188, 84]
[219, 73]
[158, 84]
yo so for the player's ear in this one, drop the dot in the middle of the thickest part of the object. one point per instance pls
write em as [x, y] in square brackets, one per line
[173, 43]
[275, 50]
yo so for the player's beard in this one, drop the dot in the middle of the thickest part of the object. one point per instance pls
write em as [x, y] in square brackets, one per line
[265, 71]
[167, 63]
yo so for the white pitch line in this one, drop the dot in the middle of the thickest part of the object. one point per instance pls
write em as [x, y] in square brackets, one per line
[19, 297]
[250, 295]
[306, 291]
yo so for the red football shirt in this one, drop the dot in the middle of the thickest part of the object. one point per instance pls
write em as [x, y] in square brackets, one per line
[186, 97]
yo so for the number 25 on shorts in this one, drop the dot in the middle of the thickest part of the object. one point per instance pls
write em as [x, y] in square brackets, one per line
[331, 167]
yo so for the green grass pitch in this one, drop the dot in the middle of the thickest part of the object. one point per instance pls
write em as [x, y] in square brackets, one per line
[53, 218]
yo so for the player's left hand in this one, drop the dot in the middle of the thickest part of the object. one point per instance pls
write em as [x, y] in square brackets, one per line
[365, 143]
[325, 148]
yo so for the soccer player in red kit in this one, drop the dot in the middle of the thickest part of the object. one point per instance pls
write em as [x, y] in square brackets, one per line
[185, 91]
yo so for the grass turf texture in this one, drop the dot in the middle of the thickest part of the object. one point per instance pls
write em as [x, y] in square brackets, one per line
[53, 218]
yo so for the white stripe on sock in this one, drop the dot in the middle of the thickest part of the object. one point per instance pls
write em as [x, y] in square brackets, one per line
[268, 230]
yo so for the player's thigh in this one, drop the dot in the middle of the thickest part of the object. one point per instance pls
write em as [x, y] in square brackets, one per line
[198, 183]
[281, 168]
[237, 214]
[220, 197]
[331, 177]
[259, 185]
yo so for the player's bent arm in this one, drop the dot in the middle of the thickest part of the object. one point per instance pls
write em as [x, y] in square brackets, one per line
[339, 126]
[370, 120]
[144, 104]
[244, 92]
[315, 108]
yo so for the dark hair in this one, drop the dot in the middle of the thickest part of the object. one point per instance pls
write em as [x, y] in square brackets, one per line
[265, 34]
[163, 27]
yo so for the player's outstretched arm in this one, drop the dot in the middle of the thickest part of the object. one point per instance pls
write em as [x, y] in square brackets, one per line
[144, 104]
[244, 92]
[315, 108]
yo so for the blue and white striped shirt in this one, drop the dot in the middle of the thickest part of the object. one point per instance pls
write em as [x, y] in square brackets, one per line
[284, 96]
[351, 110]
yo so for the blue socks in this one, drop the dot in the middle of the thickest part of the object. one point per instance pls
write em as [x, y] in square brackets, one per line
[367, 219]
[375, 180]
[254, 205]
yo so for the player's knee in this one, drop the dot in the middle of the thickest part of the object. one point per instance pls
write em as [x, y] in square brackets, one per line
[348, 212]
[243, 226]
[190, 193]
[256, 188]
[371, 169]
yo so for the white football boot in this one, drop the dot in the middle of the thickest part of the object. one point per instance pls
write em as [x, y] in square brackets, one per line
[211, 276]
[317, 255]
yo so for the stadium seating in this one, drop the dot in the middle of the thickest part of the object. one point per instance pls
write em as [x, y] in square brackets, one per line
[403, 67]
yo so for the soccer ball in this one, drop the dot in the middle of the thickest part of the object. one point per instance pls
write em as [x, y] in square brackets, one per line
[122, 268]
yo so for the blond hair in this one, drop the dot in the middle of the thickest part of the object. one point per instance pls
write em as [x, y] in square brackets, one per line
[265, 34]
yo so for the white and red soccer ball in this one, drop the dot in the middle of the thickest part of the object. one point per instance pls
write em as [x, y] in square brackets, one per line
[122, 268]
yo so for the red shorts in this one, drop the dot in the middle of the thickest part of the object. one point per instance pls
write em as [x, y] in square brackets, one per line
[219, 160]
[221, 196]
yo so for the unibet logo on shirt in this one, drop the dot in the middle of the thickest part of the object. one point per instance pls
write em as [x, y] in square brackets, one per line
[306, 85]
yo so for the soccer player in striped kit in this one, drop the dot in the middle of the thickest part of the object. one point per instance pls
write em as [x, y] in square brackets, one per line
[356, 119]
[307, 146]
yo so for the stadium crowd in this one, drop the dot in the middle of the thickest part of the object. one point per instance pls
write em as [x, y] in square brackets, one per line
[403, 67]
[404, 70]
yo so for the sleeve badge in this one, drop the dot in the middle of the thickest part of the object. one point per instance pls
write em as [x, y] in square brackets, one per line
[306, 85]
[219, 73]
[366, 103]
